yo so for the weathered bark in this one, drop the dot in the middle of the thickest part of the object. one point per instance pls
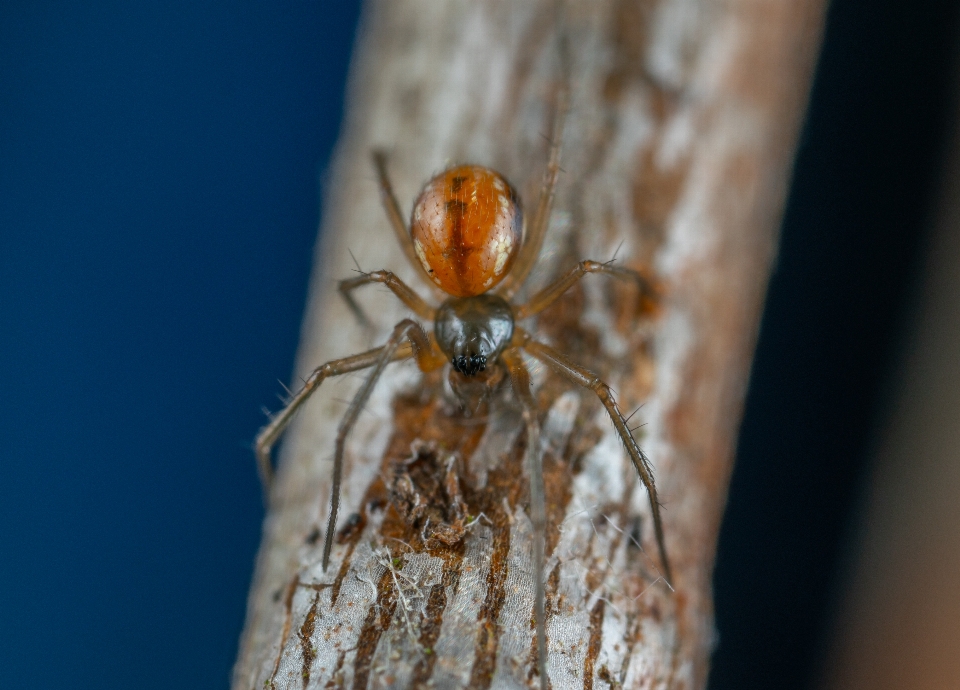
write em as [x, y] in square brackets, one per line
[676, 159]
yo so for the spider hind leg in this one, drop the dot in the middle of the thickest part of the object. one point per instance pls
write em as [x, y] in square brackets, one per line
[404, 293]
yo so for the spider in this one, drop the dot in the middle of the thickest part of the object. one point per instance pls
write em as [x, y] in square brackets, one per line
[467, 234]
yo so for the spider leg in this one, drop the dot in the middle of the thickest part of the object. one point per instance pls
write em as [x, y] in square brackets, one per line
[278, 423]
[552, 292]
[520, 378]
[272, 431]
[533, 241]
[587, 379]
[404, 293]
[427, 359]
[394, 214]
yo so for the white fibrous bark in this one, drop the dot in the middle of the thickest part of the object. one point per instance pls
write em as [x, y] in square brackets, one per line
[676, 157]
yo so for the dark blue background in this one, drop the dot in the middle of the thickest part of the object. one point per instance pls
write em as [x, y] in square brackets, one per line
[159, 188]
[159, 194]
[860, 206]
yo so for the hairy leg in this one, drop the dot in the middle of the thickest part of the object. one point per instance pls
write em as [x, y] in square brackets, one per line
[537, 229]
[278, 423]
[520, 379]
[551, 293]
[427, 359]
[394, 215]
[404, 293]
[587, 379]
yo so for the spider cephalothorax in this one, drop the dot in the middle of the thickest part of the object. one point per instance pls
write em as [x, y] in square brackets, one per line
[468, 236]
[472, 331]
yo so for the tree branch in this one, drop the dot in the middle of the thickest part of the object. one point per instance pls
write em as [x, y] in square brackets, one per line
[675, 160]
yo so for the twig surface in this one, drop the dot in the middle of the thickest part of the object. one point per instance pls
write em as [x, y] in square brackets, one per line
[684, 115]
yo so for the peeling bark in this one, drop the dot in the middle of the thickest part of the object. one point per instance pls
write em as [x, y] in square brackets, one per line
[676, 160]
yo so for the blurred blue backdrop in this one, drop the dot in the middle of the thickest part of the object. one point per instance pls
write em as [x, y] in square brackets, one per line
[159, 192]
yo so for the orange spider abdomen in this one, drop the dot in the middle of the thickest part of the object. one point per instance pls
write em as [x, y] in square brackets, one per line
[466, 228]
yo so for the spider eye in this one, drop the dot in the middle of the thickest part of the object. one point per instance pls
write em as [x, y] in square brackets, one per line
[468, 366]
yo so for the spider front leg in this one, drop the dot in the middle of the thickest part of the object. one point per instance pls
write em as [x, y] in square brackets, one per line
[551, 293]
[404, 293]
[419, 346]
[520, 378]
[428, 359]
[278, 423]
[587, 379]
